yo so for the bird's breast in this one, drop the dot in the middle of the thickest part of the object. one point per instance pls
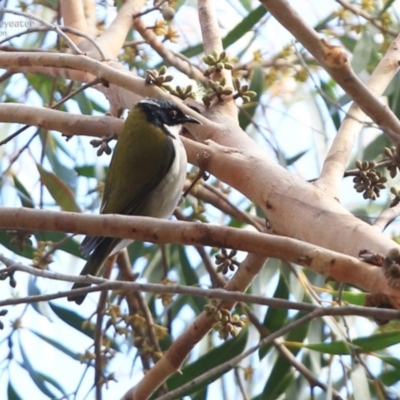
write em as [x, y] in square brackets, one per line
[168, 192]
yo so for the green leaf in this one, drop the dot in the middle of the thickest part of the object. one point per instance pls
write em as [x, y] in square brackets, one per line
[77, 322]
[395, 362]
[393, 94]
[375, 148]
[60, 192]
[328, 88]
[23, 194]
[358, 299]
[85, 170]
[57, 345]
[213, 358]
[36, 377]
[40, 307]
[70, 246]
[243, 27]
[52, 149]
[292, 160]
[190, 278]
[279, 388]
[5, 240]
[201, 395]
[386, 6]
[73, 319]
[42, 85]
[246, 4]
[235, 34]
[248, 110]
[85, 105]
[322, 25]
[275, 318]
[282, 367]
[362, 52]
[390, 376]
[61, 145]
[348, 42]
[367, 344]
[11, 393]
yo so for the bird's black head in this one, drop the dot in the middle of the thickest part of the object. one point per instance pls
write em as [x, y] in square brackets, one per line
[162, 112]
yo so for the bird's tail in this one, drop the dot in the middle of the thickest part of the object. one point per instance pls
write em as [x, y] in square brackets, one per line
[94, 265]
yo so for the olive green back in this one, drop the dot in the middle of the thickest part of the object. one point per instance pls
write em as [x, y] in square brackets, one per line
[142, 157]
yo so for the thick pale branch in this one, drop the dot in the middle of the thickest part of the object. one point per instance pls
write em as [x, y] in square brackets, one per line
[387, 216]
[68, 124]
[112, 40]
[326, 262]
[110, 73]
[290, 203]
[294, 208]
[176, 354]
[74, 17]
[335, 62]
[212, 41]
[340, 151]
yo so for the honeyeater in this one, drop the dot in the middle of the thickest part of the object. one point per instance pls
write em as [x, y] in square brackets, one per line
[146, 175]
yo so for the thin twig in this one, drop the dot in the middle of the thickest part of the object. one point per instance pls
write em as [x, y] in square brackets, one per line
[98, 336]
[221, 294]
[235, 360]
[372, 19]
[285, 352]
[52, 27]
[63, 29]
[387, 217]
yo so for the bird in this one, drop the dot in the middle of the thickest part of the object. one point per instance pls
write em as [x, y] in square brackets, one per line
[145, 178]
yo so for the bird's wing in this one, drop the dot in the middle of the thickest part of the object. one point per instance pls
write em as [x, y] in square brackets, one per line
[130, 205]
[141, 188]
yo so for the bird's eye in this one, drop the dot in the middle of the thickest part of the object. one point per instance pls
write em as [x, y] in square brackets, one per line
[173, 113]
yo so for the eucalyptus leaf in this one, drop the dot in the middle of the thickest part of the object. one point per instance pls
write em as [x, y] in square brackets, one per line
[211, 359]
[60, 192]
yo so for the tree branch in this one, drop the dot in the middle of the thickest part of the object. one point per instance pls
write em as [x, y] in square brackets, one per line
[167, 55]
[339, 154]
[335, 62]
[326, 262]
[212, 42]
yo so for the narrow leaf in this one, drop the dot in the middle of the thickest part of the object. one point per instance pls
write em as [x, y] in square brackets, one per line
[213, 358]
[275, 317]
[190, 278]
[256, 85]
[23, 194]
[362, 52]
[236, 33]
[77, 322]
[281, 371]
[60, 192]
[11, 392]
[35, 376]
[243, 27]
[57, 345]
[40, 307]
[368, 344]
[52, 149]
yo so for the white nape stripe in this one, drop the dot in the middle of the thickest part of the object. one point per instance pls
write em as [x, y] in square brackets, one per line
[149, 101]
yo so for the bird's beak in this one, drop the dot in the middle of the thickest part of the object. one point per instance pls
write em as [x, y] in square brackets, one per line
[191, 120]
